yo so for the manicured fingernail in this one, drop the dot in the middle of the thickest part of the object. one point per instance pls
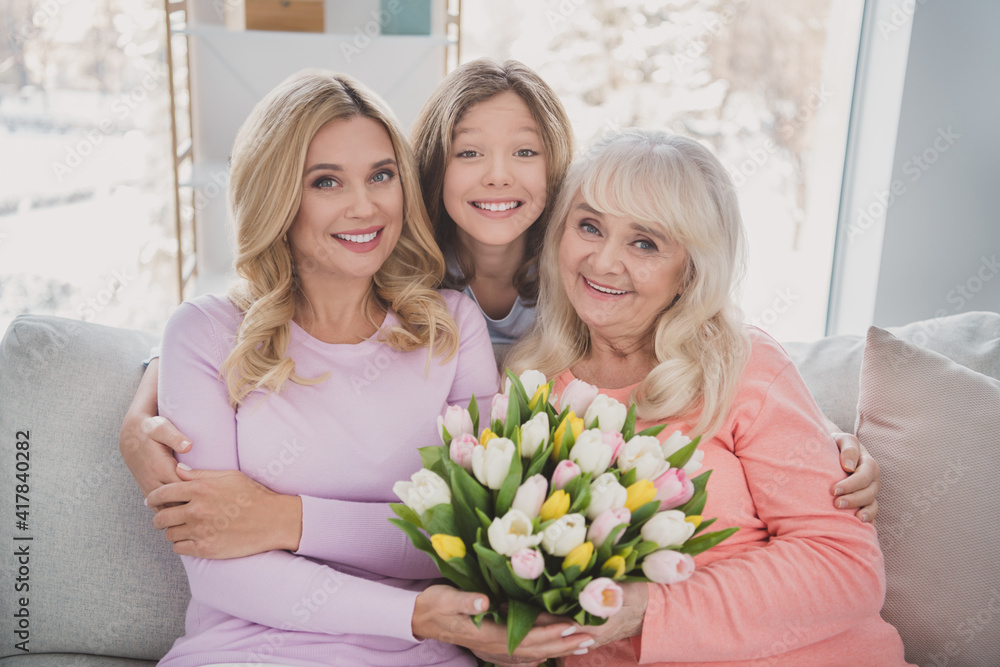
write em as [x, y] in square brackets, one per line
[841, 503]
[478, 604]
[183, 466]
[586, 644]
[838, 491]
[568, 631]
[186, 445]
[580, 651]
[864, 517]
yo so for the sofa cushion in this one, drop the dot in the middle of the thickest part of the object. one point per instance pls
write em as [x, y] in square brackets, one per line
[100, 579]
[831, 366]
[933, 426]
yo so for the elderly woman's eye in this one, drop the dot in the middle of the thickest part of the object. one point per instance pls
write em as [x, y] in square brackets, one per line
[587, 228]
[644, 244]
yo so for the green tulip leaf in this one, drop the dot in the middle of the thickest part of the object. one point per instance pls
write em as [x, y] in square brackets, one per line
[431, 458]
[406, 514]
[509, 487]
[520, 619]
[652, 430]
[703, 525]
[679, 458]
[628, 430]
[474, 413]
[706, 541]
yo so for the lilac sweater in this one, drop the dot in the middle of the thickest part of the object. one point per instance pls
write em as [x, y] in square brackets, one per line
[346, 597]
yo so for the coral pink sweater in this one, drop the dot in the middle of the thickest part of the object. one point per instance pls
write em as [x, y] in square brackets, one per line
[801, 583]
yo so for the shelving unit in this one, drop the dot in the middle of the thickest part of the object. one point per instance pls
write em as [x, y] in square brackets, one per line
[230, 70]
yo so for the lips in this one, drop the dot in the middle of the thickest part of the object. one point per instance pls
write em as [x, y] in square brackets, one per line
[604, 289]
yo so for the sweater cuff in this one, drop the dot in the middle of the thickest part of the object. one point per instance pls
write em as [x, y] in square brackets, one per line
[314, 543]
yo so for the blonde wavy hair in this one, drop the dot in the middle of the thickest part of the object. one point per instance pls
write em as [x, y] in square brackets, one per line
[699, 343]
[265, 190]
[468, 85]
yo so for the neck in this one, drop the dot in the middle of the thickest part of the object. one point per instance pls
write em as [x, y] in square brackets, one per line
[616, 362]
[495, 263]
[334, 311]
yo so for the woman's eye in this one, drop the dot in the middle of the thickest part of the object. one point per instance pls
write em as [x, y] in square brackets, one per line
[324, 182]
[525, 152]
[383, 177]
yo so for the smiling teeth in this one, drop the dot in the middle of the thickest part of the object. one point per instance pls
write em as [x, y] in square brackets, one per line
[605, 289]
[357, 238]
[505, 206]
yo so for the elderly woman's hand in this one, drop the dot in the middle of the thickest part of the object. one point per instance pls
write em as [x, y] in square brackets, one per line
[628, 621]
[859, 490]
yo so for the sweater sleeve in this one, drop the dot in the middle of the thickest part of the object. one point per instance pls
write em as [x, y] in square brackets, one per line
[821, 571]
[337, 530]
[289, 591]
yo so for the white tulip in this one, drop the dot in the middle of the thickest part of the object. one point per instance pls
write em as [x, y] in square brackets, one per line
[605, 494]
[591, 453]
[424, 490]
[567, 533]
[610, 414]
[530, 380]
[457, 420]
[530, 495]
[674, 443]
[643, 452]
[668, 529]
[510, 534]
[490, 464]
[578, 396]
[534, 434]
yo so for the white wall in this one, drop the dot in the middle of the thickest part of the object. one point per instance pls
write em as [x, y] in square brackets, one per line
[919, 224]
[942, 234]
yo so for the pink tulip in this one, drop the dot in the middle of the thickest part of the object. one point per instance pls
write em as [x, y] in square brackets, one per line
[673, 488]
[565, 471]
[606, 522]
[528, 563]
[578, 396]
[498, 409]
[667, 566]
[456, 420]
[460, 450]
[601, 597]
[615, 441]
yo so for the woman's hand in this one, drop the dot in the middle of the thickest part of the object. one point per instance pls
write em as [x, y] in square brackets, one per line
[443, 613]
[148, 442]
[861, 487]
[225, 514]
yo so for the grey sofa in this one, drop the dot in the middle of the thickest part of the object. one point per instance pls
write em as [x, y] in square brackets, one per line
[101, 587]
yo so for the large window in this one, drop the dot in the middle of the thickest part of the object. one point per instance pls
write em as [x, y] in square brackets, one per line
[86, 189]
[766, 84]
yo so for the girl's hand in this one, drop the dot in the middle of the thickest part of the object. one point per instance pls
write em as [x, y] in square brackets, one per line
[148, 442]
[443, 613]
[225, 514]
[861, 487]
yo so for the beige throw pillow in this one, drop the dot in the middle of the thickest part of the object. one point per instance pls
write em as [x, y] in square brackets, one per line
[934, 426]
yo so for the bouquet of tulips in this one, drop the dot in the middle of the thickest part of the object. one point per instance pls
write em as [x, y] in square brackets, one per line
[551, 508]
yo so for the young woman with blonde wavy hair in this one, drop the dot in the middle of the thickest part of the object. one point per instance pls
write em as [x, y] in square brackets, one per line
[338, 271]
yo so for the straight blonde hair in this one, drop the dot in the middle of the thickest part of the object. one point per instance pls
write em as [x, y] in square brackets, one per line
[265, 191]
[432, 135]
[699, 343]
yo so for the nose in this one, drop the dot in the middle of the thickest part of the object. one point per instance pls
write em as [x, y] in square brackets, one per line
[607, 259]
[361, 204]
[497, 172]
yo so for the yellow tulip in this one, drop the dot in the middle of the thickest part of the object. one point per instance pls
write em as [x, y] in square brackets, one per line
[448, 546]
[575, 424]
[541, 395]
[556, 506]
[579, 556]
[639, 494]
[616, 563]
[694, 518]
[486, 436]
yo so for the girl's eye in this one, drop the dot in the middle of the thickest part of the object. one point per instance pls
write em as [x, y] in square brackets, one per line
[469, 153]
[324, 182]
[525, 152]
[644, 244]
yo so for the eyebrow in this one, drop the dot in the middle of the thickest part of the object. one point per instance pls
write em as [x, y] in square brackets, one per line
[645, 229]
[337, 167]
